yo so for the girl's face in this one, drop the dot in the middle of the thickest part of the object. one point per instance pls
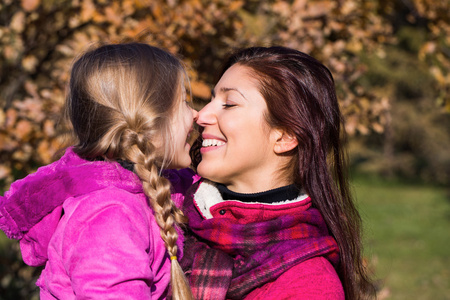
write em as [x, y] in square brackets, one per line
[238, 144]
[181, 128]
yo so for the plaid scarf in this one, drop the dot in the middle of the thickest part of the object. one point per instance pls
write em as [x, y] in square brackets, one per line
[224, 260]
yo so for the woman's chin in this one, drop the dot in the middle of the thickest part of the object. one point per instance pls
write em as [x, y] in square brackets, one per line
[208, 172]
[202, 170]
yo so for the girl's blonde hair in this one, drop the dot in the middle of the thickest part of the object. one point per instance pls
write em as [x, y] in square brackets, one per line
[121, 101]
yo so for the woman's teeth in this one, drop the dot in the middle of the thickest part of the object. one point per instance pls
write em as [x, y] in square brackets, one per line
[212, 142]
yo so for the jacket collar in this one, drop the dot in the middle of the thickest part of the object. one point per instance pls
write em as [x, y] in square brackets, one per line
[208, 196]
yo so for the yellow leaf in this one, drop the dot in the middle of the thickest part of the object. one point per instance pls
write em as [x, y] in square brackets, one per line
[354, 46]
[23, 154]
[348, 7]
[4, 171]
[65, 50]
[18, 22]
[29, 63]
[2, 118]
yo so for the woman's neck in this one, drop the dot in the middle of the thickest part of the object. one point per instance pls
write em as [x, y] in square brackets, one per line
[256, 185]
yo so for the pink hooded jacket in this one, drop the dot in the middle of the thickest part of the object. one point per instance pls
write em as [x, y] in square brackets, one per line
[101, 241]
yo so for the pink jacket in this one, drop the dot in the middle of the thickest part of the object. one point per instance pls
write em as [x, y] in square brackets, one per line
[101, 241]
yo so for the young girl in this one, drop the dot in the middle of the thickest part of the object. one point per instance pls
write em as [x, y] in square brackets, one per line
[275, 219]
[115, 236]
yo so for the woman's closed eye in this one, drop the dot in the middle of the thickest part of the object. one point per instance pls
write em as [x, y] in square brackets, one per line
[228, 105]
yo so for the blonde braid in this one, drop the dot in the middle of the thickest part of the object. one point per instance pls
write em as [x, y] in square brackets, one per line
[121, 97]
[142, 152]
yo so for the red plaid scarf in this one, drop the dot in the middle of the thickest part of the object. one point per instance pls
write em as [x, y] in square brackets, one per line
[224, 260]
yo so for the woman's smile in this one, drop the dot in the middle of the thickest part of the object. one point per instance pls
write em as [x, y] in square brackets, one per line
[211, 142]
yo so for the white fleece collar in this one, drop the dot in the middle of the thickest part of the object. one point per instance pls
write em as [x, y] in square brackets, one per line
[207, 195]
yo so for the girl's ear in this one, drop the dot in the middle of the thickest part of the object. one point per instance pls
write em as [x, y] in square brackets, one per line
[285, 142]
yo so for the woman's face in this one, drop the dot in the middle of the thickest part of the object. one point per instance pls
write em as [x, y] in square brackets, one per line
[238, 144]
[181, 128]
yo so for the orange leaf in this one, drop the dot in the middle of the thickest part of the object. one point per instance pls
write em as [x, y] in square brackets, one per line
[44, 151]
[200, 89]
[235, 5]
[30, 5]
[23, 129]
[87, 10]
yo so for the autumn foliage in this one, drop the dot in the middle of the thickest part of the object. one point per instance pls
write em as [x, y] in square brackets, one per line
[39, 40]
[390, 60]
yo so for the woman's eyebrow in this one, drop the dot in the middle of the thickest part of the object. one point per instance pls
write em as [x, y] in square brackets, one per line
[224, 90]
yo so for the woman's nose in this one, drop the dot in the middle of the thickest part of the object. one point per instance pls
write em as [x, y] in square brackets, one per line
[206, 115]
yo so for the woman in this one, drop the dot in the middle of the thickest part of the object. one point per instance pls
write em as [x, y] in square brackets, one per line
[274, 219]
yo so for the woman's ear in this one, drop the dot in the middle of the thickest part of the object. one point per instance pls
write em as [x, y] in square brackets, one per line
[285, 142]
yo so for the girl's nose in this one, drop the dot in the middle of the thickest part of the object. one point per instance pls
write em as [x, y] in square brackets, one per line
[194, 114]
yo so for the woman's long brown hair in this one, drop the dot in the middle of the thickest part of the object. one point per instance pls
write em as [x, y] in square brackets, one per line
[301, 99]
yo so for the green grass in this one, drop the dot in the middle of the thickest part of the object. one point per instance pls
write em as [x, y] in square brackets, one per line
[407, 237]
